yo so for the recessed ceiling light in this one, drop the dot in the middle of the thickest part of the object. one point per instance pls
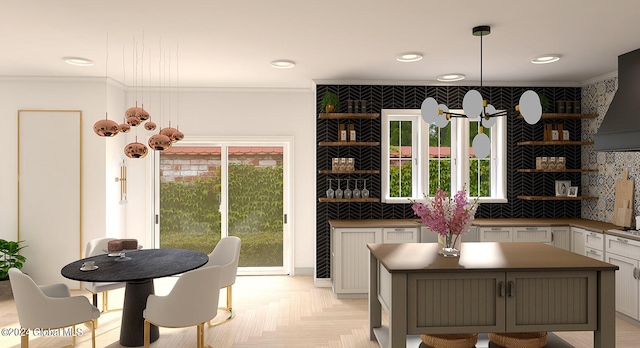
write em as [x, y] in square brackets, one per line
[283, 64]
[77, 61]
[409, 57]
[450, 77]
[546, 58]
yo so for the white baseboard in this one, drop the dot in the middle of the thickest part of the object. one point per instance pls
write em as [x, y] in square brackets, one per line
[322, 282]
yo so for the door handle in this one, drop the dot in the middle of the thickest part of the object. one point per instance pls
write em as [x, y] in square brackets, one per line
[635, 273]
[510, 290]
[501, 289]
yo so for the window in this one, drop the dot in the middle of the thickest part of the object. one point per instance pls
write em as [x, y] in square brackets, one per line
[418, 158]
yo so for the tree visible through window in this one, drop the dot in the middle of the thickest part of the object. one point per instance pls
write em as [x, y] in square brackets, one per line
[419, 158]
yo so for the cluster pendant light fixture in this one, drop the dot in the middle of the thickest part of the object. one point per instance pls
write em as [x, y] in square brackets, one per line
[134, 117]
[475, 106]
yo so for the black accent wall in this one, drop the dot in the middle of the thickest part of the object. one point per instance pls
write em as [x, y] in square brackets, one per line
[380, 97]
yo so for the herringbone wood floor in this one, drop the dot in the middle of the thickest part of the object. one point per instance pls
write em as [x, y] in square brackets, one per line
[272, 311]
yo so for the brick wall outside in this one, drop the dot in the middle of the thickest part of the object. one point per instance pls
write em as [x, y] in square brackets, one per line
[188, 167]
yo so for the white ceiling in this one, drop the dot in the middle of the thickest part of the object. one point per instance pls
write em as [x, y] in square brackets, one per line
[209, 43]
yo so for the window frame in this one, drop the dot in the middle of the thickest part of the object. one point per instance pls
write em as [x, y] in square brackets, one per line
[460, 162]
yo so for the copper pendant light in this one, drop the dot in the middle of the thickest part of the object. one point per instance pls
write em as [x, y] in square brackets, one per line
[135, 150]
[160, 142]
[133, 121]
[124, 128]
[132, 111]
[150, 126]
[106, 128]
[168, 131]
[177, 136]
[142, 114]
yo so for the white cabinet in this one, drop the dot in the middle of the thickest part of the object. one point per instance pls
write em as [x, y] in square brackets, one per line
[350, 260]
[561, 237]
[625, 253]
[588, 243]
[531, 234]
[577, 240]
[515, 234]
[495, 234]
[400, 235]
[428, 236]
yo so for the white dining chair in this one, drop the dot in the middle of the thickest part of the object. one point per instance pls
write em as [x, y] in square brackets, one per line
[193, 300]
[97, 247]
[226, 254]
[49, 307]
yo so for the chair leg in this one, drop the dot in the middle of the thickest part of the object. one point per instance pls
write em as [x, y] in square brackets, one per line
[24, 340]
[229, 296]
[105, 301]
[73, 336]
[147, 334]
[229, 308]
[200, 337]
[93, 334]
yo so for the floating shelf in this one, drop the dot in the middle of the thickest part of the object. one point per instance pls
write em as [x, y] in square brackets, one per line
[565, 116]
[339, 115]
[352, 200]
[329, 171]
[349, 143]
[556, 198]
[556, 170]
[555, 142]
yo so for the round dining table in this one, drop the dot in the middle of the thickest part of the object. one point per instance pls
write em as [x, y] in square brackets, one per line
[138, 272]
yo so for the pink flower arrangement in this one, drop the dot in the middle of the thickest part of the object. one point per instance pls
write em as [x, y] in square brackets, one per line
[447, 216]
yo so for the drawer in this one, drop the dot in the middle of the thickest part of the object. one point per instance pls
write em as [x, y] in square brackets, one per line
[400, 235]
[623, 247]
[595, 254]
[532, 234]
[495, 234]
[594, 240]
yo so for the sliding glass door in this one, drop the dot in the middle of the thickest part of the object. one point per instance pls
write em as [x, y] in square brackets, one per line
[209, 189]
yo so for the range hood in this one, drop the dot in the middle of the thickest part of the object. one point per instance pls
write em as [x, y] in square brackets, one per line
[620, 128]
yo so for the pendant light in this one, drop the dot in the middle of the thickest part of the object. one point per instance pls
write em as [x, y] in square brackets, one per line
[475, 106]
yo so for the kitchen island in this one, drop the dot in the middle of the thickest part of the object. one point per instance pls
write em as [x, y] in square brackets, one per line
[492, 287]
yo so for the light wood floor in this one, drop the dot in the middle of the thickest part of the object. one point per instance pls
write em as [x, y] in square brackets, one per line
[271, 311]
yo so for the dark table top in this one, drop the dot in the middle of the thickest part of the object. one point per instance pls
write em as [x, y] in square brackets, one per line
[144, 264]
[484, 256]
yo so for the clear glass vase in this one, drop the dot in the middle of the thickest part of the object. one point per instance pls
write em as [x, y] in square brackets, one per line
[449, 245]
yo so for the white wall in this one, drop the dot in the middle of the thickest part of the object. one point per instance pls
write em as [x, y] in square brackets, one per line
[228, 112]
[87, 95]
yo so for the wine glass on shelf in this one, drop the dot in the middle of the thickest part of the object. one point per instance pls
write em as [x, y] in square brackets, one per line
[330, 191]
[339, 191]
[356, 191]
[365, 192]
[348, 192]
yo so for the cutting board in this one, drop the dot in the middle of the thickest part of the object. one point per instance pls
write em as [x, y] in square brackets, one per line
[623, 206]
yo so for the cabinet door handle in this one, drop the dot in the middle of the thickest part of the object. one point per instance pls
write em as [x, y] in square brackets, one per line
[399, 229]
[635, 273]
[531, 228]
[510, 289]
[622, 240]
[496, 228]
[501, 289]
[552, 236]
